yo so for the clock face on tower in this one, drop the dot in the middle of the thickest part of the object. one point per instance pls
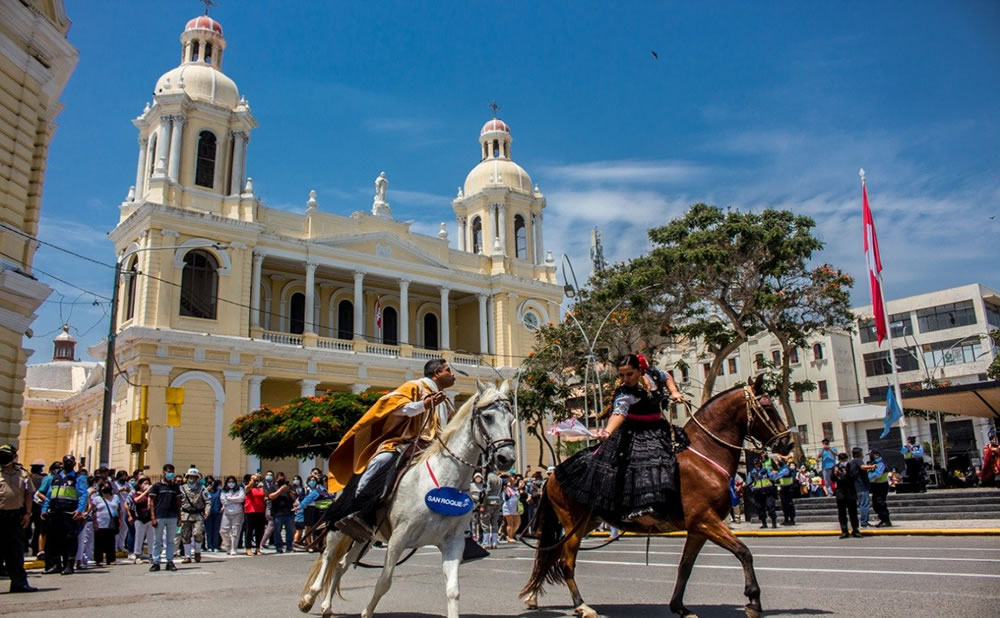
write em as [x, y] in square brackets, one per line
[530, 320]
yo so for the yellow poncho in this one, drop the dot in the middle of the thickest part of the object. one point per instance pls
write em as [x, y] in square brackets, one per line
[380, 430]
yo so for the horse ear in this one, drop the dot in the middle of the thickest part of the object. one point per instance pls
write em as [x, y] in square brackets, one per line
[482, 386]
[505, 388]
[758, 384]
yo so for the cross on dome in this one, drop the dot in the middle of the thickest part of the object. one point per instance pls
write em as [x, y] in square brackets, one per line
[493, 105]
[208, 4]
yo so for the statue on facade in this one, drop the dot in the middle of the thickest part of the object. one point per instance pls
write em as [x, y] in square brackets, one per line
[380, 208]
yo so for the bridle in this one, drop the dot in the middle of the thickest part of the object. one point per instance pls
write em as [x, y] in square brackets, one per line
[487, 448]
[755, 412]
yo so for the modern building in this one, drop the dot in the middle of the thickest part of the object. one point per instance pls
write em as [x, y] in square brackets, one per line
[242, 304]
[36, 62]
[939, 340]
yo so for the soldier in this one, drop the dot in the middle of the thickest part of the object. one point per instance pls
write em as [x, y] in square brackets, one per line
[195, 506]
[16, 491]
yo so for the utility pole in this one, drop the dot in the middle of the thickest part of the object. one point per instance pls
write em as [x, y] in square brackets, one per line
[109, 371]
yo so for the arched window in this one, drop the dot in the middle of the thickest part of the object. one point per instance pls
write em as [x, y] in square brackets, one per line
[345, 320]
[152, 154]
[297, 313]
[390, 326]
[430, 331]
[818, 351]
[194, 51]
[208, 53]
[131, 274]
[520, 237]
[496, 148]
[205, 172]
[199, 285]
[477, 235]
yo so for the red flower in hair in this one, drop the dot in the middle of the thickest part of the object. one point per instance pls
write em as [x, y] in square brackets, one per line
[643, 363]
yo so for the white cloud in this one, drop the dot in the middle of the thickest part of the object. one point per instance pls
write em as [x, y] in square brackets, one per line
[650, 172]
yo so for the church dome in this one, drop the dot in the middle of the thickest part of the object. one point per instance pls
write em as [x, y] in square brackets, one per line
[497, 172]
[495, 125]
[201, 82]
[204, 22]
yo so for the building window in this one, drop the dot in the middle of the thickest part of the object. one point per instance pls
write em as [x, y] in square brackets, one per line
[953, 352]
[685, 374]
[205, 172]
[297, 313]
[390, 326]
[345, 320]
[793, 356]
[828, 431]
[798, 397]
[946, 316]
[430, 331]
[496, 148]
[194, 51]
[776, 357]
[824, 393]
[707, 367]
[208, 53]
[993, 315]
[732, 366]
[758, 360]
[900, 325]
[878, 392]
[199, 285]
[131, 275]
[477, 235]
[877, 363]
[520, 237]
[804, 434]
[818, 352]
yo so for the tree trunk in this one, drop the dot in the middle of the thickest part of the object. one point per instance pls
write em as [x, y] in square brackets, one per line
[713, 373]
[786, 404]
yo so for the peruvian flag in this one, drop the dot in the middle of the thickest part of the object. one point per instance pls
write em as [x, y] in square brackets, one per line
[378, 312]
[874, 263]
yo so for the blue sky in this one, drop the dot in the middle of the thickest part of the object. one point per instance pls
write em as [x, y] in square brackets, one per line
[749, 105]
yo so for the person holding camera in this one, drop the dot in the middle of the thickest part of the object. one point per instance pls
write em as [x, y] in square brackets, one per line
[845, 474]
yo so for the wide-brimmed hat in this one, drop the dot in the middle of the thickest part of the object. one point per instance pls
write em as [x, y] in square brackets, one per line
[193, 472]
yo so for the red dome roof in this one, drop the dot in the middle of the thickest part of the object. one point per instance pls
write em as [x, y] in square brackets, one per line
[204, 22]
[495, 125]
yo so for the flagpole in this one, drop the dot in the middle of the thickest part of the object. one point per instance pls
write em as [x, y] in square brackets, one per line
[888, 336]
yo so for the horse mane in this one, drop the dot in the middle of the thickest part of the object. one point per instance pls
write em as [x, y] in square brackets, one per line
[719, 395]
[483, 399]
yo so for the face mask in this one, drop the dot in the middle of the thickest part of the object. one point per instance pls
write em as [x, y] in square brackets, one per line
[193, 482]
[312, 483]
[132, 483]
[169, 476]
[231, 485]
[268, 478]
[297, 482]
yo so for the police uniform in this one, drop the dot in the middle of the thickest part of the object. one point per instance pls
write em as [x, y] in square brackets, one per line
[66, 497]
[786, 488]
[762, 484]
[913, 457]
[15, 488]
[879, 481]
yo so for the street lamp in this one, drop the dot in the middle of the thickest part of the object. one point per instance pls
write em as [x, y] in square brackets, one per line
[109, 357]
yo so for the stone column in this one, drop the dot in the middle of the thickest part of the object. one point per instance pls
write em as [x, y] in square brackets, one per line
[539, 242]
[156, 415]
[239, 148]
[484, 341]
[404, 311]
[227, 452]
[444, 336]
[502, 223]
[176, 132]
[258, 262]
[359, 306]
[140, 172]
[460, 226]
[163, 139]
[253, 403]
[310, 297]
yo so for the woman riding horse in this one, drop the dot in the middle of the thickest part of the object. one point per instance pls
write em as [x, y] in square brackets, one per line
[633, 472]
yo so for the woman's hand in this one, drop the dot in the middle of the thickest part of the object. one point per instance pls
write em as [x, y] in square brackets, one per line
[677, 396]
[602, 434]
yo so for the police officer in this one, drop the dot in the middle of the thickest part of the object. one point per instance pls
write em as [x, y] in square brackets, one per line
[786, 487]
[16, 491]
[879, 480]
[64, 507]
[762, 481]
[913, 457]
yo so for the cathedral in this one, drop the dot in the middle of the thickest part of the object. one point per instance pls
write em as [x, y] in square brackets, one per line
[242, 304]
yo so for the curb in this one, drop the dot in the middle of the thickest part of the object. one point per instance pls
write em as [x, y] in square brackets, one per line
[40, 564]
[864, 532]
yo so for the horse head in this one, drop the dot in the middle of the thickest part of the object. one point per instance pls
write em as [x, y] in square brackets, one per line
[764, 420]
[493, 424]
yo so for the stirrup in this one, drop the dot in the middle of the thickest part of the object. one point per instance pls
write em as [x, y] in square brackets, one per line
[637, 514]
[355, 527]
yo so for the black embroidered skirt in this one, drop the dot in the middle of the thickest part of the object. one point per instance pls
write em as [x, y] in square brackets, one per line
[634, 468]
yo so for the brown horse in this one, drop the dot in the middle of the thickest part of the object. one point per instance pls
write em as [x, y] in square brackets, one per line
[717, 432]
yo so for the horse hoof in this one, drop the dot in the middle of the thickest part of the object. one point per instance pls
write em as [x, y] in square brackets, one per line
[752, 612]
[586, 611]
[305, 605]
[531, 603]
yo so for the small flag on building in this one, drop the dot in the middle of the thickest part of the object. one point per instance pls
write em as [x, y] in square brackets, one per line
[378, 313]
[892, 412]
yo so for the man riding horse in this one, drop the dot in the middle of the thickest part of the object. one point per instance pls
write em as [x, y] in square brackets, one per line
[362, 462]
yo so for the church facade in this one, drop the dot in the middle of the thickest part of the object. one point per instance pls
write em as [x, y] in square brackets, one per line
[242, 304]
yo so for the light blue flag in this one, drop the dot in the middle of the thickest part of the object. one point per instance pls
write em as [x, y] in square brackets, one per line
[892, 412]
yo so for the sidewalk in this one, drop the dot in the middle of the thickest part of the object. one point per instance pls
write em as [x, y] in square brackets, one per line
[929, 527]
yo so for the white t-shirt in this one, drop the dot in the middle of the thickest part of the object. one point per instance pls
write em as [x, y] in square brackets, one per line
[105, 509]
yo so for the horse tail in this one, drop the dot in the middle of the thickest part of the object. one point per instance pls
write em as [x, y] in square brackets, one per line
[549, 566]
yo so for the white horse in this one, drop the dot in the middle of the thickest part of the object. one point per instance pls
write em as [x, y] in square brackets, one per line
[483, 426]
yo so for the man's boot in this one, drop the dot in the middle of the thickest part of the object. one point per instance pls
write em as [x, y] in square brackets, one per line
[55, 567]
[763, 523]
[69, 568]
[355, 526]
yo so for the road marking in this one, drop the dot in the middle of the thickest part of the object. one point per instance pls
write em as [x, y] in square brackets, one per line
[782, 569]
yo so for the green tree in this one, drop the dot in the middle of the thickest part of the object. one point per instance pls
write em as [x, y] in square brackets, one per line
[303, 427]
[994, 368]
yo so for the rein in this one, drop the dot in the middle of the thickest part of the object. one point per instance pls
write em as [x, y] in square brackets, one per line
[755, 411]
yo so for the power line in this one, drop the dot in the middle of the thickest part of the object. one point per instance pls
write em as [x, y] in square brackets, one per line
[55, 246]
[51, 276]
